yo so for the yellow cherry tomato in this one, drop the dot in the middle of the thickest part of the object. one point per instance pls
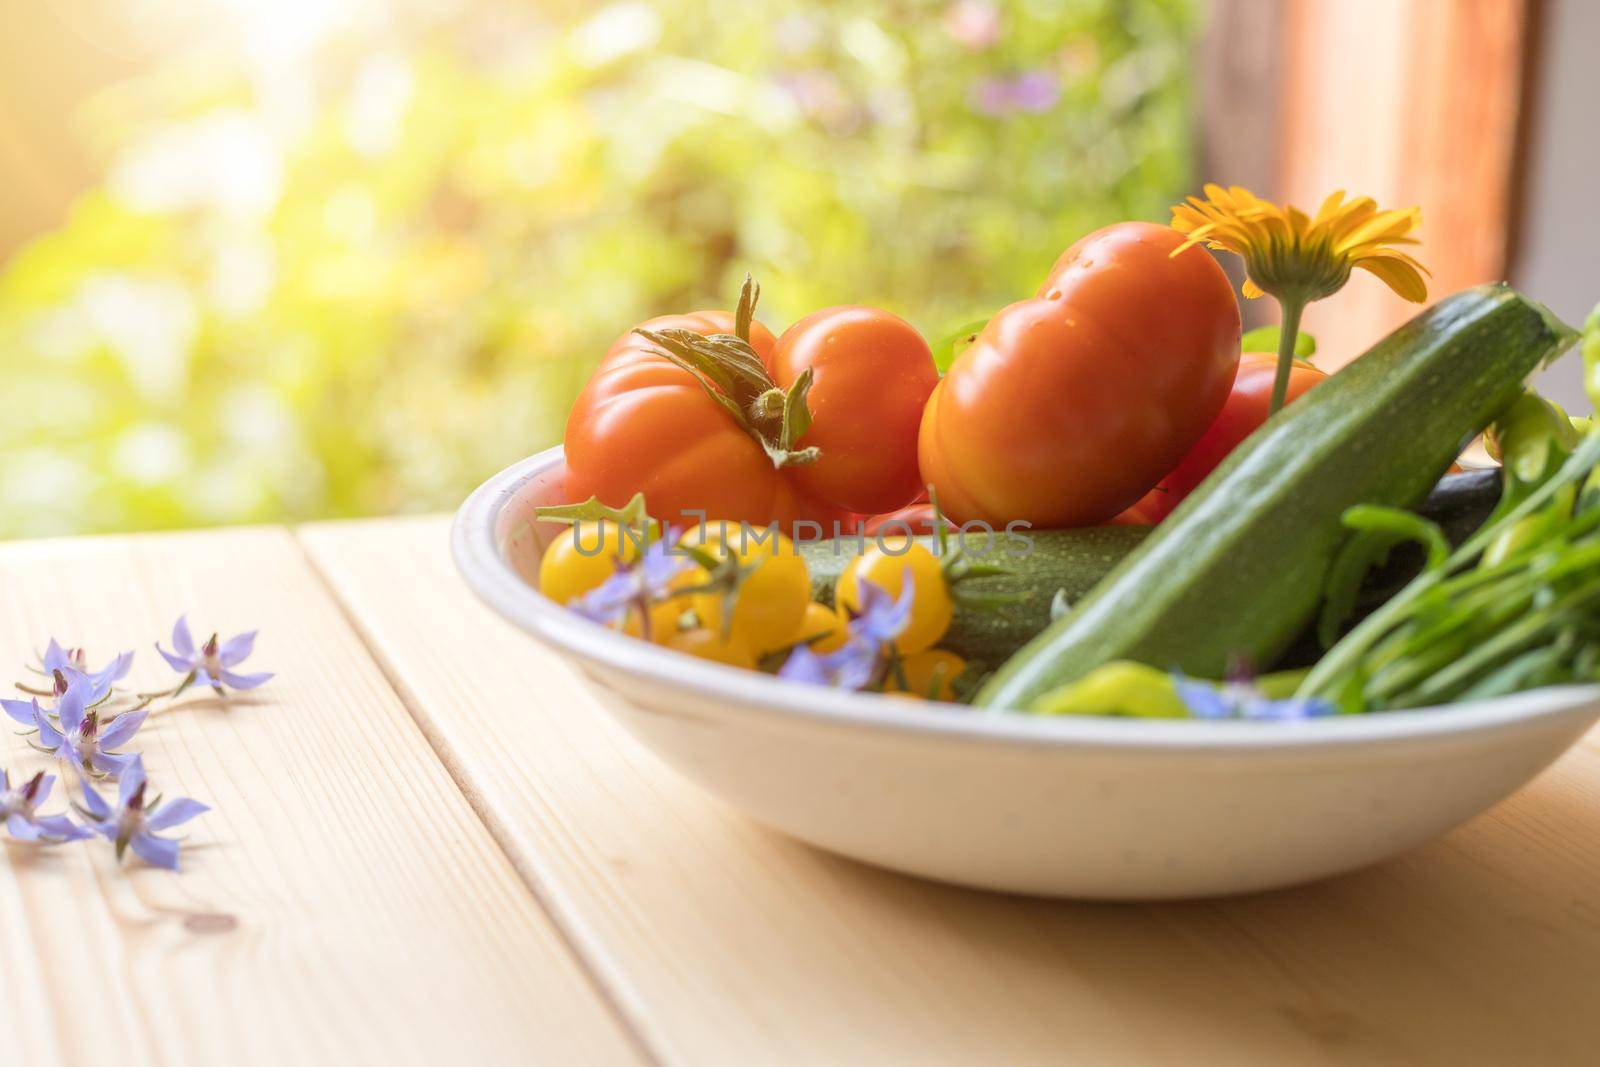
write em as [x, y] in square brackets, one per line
[887, 565]
[583, 556]
[929, 675]
[771, 600]
[706, 644]
[822, 620]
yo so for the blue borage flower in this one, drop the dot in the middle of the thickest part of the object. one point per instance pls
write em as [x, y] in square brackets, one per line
[94, 690]
[213, 662]
[858, 662]
[57, 659]
[636, 584]
[23, 712]
[78, 738]
[19, 812]
[1240, 698]
[137, 819]
[850, 666]
[76, 724]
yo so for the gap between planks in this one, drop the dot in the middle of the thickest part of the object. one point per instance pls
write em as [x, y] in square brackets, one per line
[324, 927]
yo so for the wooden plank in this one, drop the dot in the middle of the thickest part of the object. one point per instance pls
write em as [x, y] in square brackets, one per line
[729, 943]
[1410, 102]
[341, 903]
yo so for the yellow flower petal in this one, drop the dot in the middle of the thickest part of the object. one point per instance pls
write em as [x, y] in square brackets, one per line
[1331, 206]
[1306, 257]
[1382, 227]
[1401, 277]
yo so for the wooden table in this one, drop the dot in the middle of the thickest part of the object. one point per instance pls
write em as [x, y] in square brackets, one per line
[429, 845]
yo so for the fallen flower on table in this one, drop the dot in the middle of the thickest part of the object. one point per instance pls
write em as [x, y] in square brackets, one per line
[79, 739]
[19, 812]
[96, 689]
[211, 664]
[62, 664]
[85, 718]
[137, 818]
[22, 712]
[57, 661]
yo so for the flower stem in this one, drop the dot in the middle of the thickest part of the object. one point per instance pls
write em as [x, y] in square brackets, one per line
[1287, 334]
[146, 699]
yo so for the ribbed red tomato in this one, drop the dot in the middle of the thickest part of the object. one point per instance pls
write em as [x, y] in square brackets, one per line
[1069, 406]
[644, 424]
[725, 439]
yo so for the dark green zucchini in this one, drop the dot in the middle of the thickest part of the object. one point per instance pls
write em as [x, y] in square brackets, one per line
[1238, 568]
[1072, 562]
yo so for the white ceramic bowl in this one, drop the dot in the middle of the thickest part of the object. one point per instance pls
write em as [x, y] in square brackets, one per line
[1072, 806]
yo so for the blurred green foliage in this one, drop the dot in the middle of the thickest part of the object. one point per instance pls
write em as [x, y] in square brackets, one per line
[359, 282]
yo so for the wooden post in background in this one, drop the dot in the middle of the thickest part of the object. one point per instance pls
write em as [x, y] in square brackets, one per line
[1410, 102]
[1240, 73]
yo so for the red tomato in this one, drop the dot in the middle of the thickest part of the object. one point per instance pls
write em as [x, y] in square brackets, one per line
[1244, 410]
[1070, 405]
[643, 424]
[918, 518]
[872, 373]
[1138, 514]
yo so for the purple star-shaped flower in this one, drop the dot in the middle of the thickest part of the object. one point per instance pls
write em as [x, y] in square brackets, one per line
[77, 736]
[879, 617]
[61, 659]
[1239, 698]
[22, 711]
[19, 812]
[636, 584]
[137, 819]
[850, 666]
[854, 664]
[96, 688]
[213, 662]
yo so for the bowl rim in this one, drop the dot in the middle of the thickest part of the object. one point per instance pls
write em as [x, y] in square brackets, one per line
[492, 578]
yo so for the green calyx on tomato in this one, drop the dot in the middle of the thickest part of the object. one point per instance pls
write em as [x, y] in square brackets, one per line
[632, 515]
[755, 588]
[706, 421]
[959, 567]
[733, 374]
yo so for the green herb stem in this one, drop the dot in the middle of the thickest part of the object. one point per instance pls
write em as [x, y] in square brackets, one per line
[1327, 677]
[1534, 629]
